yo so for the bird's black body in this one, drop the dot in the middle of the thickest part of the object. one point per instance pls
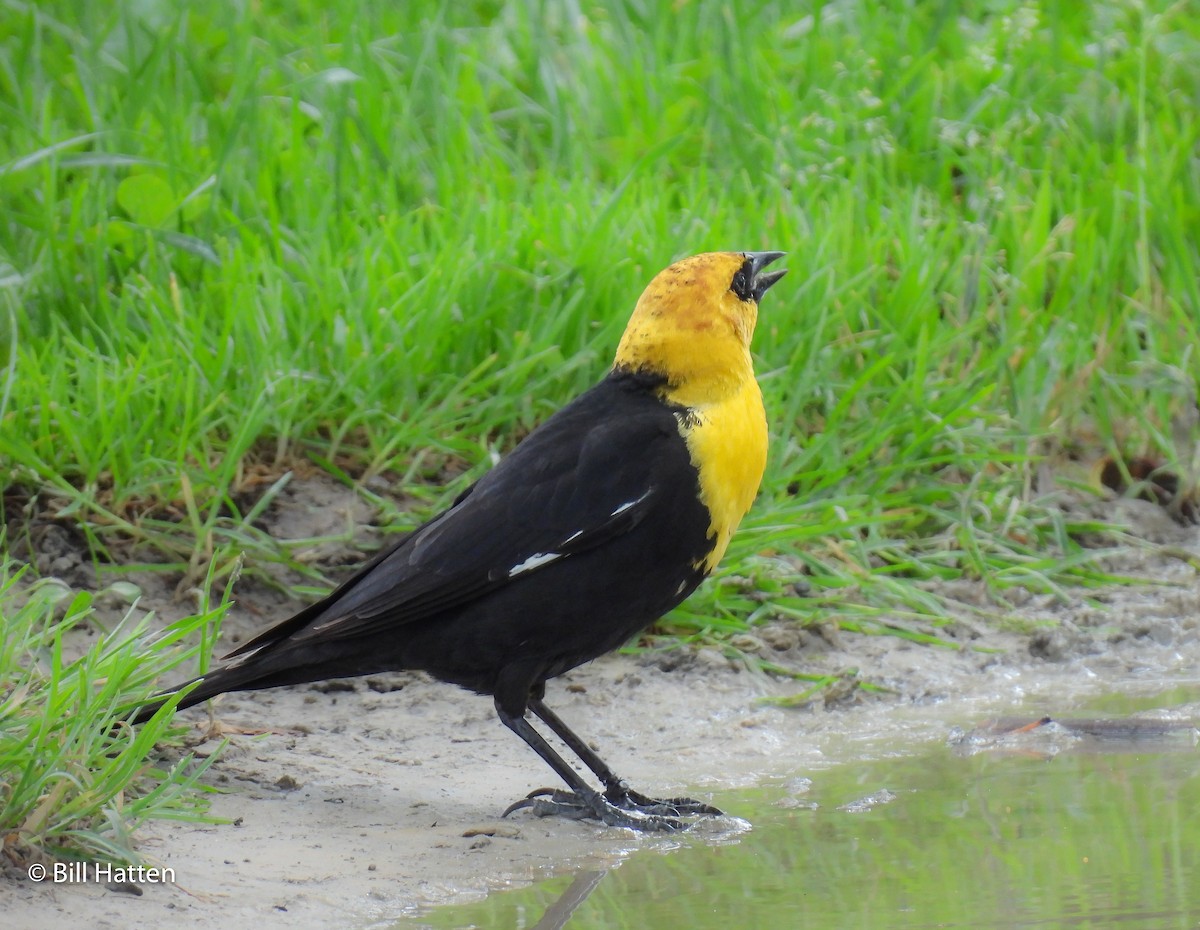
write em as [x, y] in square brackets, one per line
[605, 485]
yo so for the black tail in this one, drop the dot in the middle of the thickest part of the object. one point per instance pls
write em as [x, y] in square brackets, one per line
[251, 676]
[207, 686]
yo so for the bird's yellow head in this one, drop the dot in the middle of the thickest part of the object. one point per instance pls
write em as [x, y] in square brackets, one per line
[693, 324]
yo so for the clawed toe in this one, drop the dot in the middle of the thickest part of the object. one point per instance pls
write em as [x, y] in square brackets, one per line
[621, 795]
[630, 800]
[540, 807]
[548, 802]
[558, 798]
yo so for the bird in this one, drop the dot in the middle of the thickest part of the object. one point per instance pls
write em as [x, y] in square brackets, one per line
[606, 516]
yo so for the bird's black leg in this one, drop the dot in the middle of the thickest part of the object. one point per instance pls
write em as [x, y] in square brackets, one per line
[615, 788]
[581, 801]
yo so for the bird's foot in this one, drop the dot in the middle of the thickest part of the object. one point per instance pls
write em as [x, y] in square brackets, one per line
[622, 796]
[654, 817]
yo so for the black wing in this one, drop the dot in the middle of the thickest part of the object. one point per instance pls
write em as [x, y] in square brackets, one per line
[586, 476]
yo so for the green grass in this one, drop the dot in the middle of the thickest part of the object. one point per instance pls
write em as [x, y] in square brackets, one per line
[71, 787]
[381, 237]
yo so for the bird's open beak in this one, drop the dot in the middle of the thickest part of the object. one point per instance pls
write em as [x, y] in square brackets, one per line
[759, 261]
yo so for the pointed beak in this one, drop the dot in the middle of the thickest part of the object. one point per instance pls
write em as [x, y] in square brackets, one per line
[759, 261]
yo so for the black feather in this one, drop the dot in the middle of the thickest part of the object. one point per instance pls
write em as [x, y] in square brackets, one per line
[606, 484]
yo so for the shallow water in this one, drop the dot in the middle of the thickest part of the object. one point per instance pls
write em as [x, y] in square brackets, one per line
[1003, 826]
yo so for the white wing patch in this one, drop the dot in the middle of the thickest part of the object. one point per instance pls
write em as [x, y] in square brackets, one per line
[534, 561]
[620, 510]
[538, 559]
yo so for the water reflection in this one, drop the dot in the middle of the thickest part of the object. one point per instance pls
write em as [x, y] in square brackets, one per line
[1048, 736]
[558, 913]
[989, 839]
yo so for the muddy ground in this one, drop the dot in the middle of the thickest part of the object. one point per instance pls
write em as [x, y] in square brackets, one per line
[370, 800]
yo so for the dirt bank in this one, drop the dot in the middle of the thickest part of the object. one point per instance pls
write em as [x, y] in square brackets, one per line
[354, 808]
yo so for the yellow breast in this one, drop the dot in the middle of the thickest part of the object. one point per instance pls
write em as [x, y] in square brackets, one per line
[692, 328]
[728, 445]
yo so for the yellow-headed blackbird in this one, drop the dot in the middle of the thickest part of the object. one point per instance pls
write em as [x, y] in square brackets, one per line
[604, 518]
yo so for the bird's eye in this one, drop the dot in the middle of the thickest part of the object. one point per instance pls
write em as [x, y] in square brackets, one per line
[741, 284]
